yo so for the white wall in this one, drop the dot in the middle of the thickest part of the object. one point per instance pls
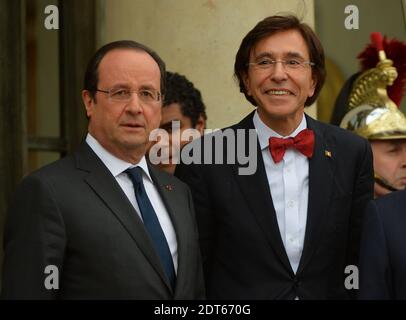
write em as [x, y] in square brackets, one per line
[197, 38]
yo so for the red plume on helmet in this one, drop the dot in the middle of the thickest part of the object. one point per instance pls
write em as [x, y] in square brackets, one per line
[396, 51]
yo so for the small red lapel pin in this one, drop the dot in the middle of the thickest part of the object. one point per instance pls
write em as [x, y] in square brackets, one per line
[169, 187]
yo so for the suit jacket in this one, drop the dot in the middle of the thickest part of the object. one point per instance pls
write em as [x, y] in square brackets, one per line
[383, 255]
[243, 253]
[73, 214]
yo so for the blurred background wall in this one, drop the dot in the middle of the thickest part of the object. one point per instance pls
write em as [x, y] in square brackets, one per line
[198, 39]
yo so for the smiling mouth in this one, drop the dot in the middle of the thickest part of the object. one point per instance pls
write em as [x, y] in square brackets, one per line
[275, 92]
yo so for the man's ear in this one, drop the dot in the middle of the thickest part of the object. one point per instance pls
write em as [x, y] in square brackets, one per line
[246, 82]
[200, 124]
[88, 101]
[312, 88]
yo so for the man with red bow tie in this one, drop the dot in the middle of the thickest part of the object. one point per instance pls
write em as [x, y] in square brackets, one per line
[289, 230]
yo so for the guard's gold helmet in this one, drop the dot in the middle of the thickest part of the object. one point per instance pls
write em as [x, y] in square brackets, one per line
[371, 113]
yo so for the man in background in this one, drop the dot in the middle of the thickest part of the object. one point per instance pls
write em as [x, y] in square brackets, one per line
[370, 101]
[183, 109]
[383, 256]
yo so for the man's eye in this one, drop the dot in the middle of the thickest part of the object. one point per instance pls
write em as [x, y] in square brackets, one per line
[121, 93]
[265, 62]
[292, 62]
[393, 150]
[146, 94]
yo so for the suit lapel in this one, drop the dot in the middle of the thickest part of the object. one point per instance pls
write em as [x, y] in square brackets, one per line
[321, 174]
[255, 188]
[109, 191]
[180, 218]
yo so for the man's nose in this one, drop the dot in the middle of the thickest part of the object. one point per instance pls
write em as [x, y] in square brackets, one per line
[404, 156]
[134, 104]
[278, 71]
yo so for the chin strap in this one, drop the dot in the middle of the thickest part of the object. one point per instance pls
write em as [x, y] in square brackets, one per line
[384, 183]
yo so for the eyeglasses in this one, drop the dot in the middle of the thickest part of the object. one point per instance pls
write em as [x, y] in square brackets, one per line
[125, 95]
[288, 64]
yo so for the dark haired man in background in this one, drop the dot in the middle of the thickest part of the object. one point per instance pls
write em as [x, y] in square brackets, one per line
[289, 230]
[182, 103]
[102, 223]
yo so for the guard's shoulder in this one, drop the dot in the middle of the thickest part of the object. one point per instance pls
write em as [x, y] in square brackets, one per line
[392, 201]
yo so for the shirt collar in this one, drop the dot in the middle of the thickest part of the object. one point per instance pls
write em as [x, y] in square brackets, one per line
[264, 132]
[115, 165]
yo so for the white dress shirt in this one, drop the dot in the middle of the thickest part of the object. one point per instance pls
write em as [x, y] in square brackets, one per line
[289, 184]
[117, 167]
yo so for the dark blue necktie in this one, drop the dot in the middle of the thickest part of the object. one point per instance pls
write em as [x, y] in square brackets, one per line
[151, 223]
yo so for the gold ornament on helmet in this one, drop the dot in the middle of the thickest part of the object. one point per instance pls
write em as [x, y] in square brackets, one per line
[371, 113]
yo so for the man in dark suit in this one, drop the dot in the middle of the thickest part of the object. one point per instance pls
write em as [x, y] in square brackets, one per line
[383, 254]
[103, 223]
[288, 230]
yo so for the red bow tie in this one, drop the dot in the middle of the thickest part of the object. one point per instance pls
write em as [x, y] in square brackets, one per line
[303, 142]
